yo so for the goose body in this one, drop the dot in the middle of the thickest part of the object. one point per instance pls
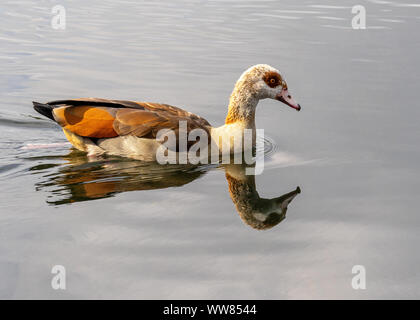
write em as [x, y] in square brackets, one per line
[131, 128]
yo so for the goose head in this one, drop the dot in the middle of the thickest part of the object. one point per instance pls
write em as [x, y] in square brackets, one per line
[256, 83]
[264, 81]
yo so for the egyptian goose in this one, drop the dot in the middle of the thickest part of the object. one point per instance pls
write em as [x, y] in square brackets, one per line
[130, 128]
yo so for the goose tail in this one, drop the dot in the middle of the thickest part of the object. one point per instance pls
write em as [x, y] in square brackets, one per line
[44, 109]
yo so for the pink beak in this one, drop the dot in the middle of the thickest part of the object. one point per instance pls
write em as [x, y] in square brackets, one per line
[286, 98]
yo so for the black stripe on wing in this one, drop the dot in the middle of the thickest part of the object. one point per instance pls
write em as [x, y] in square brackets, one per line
[98, 103]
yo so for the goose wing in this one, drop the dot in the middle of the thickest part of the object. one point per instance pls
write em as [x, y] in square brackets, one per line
[102, 118]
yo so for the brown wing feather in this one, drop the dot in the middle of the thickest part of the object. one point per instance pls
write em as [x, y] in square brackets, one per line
[102, 118]
[85, 121]
[139, 123]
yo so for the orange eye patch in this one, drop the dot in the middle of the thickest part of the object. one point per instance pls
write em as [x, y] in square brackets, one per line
[272, 79]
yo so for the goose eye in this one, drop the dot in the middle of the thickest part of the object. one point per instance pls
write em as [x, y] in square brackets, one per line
[272, 79]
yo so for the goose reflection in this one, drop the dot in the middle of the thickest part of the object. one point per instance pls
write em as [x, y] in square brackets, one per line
[257, 212]
[83, 179]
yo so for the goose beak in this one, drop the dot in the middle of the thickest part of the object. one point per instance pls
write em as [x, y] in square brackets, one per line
[285, 97]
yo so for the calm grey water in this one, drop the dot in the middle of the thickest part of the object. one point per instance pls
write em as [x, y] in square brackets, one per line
[126, 229]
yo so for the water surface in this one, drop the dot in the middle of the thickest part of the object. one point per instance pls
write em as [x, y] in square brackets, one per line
[127, 229]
